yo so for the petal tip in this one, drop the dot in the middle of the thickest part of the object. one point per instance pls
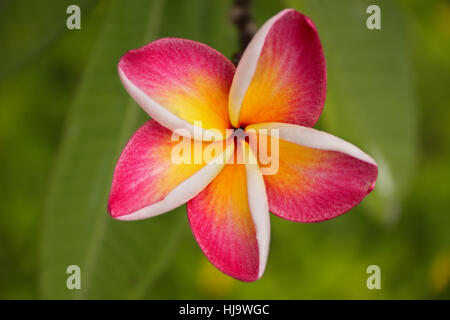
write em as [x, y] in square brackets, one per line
[112, 209]
[372, 186]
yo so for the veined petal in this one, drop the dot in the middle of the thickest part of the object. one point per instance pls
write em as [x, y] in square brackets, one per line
[281, 76]
[319, 177]
[147, 181]
[230, 220]
[179, 82]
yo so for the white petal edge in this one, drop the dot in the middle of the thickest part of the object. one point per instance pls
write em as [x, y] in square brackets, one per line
[163, 116]
[259, 207]
[183, 192]
[313, 138]
[247, 67]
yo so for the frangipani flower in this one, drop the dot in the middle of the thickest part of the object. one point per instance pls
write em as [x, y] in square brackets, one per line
[280, 83]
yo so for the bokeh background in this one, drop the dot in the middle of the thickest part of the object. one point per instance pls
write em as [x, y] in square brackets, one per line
[64, 118]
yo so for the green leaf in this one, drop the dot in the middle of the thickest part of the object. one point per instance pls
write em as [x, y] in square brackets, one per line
[370, 98]
[28, 28]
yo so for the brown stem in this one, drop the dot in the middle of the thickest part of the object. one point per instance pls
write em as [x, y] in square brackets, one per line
[241, 17]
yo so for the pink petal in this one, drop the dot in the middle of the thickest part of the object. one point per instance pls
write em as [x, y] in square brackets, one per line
[230, 220]
[147, 182]
[319, 177]
[282, 75]
[178, 82]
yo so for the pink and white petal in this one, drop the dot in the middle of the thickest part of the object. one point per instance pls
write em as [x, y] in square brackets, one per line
[182, 84]
[147, 181]
[230, 221]
[281, 76]
[319, 176]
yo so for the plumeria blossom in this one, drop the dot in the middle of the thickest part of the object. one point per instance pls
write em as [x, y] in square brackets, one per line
[279, 83]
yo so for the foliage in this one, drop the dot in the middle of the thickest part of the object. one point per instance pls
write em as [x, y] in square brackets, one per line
[64, 118]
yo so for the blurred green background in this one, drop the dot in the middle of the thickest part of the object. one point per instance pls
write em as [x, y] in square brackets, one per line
[64, 118]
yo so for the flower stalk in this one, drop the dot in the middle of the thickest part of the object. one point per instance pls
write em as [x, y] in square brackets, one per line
[240, 16]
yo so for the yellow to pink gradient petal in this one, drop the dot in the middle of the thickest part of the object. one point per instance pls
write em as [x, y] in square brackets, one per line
[282, 74]
[179, 82]
[146, 180]
[230, 220]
